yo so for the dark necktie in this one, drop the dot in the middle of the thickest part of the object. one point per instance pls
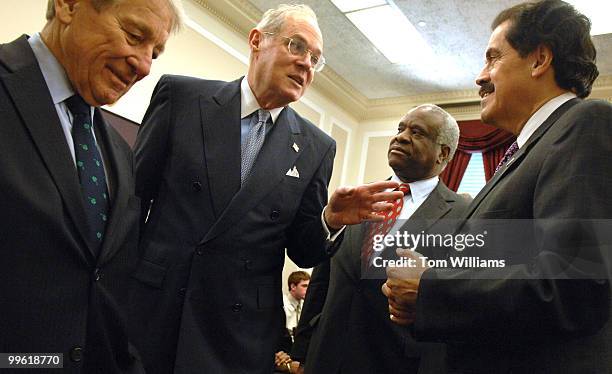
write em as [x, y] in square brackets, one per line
[298, 311]
[90, 169]
[253, 143]
[508, 155]
[382, 227]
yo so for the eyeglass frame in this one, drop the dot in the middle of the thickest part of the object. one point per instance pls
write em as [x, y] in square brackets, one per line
[320, 59]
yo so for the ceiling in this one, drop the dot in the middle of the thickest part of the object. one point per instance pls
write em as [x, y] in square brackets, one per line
[457, 30]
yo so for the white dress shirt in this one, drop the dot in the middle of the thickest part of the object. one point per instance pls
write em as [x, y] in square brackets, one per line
[538, 118]
[59, 86]
[291, 305]
[249, 104]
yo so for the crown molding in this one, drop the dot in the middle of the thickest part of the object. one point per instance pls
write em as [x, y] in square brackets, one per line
[602, 88]
[238, 15]
[398, 106]
[341, 92]
[449, 97]
[605, 81]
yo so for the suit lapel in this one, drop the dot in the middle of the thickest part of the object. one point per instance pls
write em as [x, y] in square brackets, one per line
[275, 158]
[516, 160]
[118, 177]
[221, 129]
[28, 89]
[437, 204]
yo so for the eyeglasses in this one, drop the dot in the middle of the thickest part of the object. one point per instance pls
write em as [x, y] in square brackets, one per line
[297, 47]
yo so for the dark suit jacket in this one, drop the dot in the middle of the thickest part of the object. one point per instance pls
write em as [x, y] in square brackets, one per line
[353, 333]
[208, 297]
[525, 319]
[55, 295]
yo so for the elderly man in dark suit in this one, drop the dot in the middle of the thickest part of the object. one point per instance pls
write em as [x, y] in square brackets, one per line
[548, 309]
[69, 215]
[232, 176]
[352, 330]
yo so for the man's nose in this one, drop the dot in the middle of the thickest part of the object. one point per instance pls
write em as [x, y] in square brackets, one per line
[141, 64]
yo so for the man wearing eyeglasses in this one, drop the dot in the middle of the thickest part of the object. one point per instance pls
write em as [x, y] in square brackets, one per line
[234, 176]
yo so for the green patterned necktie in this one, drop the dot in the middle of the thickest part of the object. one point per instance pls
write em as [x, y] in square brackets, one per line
[90, 169]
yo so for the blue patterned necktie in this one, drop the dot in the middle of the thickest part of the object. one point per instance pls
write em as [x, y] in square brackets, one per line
[90, 169]
[253, 143]
[509, 153]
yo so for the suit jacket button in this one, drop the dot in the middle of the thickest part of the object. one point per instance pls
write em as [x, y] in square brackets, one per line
[182, 291]
[236, 307]
[274, 215]
[197, 186]
[97, 275]
[248, 264]
[199, 251]
[76, 354]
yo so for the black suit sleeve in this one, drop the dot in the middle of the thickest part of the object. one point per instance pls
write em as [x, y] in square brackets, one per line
[152, 149]
[572, 190]
[311, 311]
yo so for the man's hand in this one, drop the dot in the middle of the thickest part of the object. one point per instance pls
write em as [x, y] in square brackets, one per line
[296, 368]
[402, 287]
[353, 205]
[282, 362]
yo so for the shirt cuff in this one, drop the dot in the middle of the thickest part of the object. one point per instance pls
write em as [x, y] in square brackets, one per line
[328, 232]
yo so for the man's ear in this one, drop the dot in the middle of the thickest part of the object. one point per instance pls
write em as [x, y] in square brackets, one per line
[65, 9]
[443, 155]
[542, 60]
[255, 40]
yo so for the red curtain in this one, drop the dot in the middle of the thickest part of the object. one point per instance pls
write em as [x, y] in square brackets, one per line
[492, 158]
[453, 173]
[476, 137]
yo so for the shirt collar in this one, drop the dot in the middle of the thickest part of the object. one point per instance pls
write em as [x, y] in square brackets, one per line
[292, 300]
[538, 118]
[419, 189]
[53, 72]
[249, 104]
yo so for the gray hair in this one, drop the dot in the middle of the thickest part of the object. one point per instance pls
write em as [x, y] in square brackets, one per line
[448, 129]
[176, 7]
[274, 19]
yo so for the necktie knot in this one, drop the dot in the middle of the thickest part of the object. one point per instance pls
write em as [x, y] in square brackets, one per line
[405, 188]
[263, 115]
[508, 155]
[77, 105]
